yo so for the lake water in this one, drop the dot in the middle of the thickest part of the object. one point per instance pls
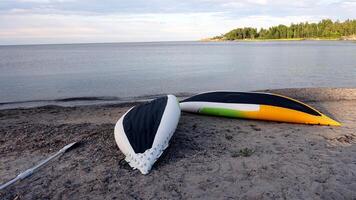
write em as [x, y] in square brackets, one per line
[125, 70]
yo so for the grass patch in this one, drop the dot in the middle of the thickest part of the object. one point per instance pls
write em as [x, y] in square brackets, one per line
[246, 152]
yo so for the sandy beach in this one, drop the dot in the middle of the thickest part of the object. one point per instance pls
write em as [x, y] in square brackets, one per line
[208, 157]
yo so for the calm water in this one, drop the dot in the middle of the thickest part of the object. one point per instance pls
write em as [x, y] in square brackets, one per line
[46, 72]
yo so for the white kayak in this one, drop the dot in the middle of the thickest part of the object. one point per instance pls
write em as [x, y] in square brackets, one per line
[144, 132]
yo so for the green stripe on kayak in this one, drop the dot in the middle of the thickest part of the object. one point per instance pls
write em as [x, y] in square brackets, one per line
[222, 112]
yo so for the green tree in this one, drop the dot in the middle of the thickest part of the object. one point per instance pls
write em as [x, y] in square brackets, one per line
[326, 28]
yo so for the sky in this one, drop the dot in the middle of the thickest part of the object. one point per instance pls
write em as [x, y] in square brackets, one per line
[87, 21]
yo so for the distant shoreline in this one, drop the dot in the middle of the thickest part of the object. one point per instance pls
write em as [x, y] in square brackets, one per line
[349, 38]
[326, 29]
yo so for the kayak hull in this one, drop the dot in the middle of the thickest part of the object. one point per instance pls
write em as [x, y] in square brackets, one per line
[144, 132]
[271, 108]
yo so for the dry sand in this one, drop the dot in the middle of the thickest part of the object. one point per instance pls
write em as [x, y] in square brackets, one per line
[208, 158]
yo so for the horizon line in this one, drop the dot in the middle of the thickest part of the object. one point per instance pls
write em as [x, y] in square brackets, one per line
[38, 44]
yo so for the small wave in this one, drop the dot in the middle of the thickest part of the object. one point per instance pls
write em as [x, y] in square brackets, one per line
[67, 102]
[105, 98]
[82, 101]
[108, 98]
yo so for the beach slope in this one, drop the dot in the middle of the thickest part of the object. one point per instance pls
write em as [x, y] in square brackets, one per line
[208, 158]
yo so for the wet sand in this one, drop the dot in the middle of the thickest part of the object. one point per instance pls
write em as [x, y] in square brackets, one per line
[208, 158]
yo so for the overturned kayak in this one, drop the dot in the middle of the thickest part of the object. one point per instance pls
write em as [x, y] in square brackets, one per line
[254, 105]
[143, 133]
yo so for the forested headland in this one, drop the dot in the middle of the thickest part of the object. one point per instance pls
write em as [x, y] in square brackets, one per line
[325, 29]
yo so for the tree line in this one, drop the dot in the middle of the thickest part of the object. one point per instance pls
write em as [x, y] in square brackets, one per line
[326, 28]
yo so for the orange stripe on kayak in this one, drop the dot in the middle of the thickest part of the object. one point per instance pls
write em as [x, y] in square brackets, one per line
[273, 113]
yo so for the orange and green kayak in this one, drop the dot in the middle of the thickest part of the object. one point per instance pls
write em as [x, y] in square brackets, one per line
[255, 105]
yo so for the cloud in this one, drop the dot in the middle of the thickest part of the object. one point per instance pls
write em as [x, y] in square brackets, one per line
[44, 1]
[168, 6]
[124, 28]
[67, 21]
